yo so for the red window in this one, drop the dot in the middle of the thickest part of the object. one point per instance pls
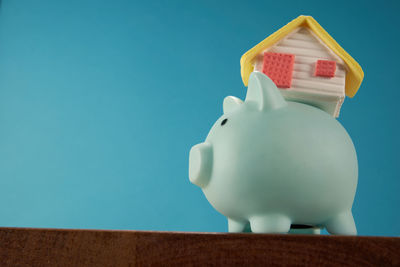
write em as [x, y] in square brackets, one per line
[325, 68]
[279, 68]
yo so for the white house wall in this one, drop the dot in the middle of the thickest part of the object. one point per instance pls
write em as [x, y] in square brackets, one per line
[325, 93]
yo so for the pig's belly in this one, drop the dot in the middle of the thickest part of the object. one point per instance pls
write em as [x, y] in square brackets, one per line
[305, 195]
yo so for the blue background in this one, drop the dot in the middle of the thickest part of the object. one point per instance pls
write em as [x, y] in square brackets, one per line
[100, 102]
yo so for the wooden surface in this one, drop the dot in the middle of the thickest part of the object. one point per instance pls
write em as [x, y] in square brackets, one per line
[55, 247]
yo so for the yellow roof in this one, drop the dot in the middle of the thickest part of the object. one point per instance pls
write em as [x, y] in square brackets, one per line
[354, 75]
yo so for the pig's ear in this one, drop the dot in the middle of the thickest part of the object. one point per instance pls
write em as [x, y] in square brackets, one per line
[264, 92]
[231, 103]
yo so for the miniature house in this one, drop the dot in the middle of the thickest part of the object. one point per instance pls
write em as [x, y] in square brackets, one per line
[306, 64]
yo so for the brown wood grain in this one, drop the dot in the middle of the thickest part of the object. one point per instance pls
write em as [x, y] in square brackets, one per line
[56, 247]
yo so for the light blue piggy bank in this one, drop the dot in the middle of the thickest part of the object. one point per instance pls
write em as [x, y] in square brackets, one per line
[271, 164]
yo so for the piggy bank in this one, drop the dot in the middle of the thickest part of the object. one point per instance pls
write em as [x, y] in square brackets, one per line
[269, 164]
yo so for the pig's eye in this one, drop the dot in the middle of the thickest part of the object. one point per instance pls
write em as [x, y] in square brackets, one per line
[223, 122]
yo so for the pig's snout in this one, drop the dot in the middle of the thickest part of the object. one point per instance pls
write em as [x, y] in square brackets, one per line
[200, 164]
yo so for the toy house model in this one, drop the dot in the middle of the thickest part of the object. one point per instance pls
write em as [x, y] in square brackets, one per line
[306, 64]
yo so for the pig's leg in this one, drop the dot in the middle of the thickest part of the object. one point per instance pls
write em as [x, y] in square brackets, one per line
[342, 224]
[273, 223]
[235, 226]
